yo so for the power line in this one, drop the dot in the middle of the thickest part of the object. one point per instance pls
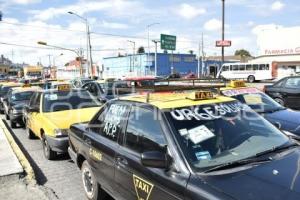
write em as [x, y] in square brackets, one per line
[83, 32]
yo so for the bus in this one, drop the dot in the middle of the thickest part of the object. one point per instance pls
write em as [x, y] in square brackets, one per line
[248, 71]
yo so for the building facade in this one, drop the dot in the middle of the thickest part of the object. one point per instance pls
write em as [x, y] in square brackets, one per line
[144, 65]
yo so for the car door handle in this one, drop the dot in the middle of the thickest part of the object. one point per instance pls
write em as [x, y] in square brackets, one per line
[88, 141]
[121, 161]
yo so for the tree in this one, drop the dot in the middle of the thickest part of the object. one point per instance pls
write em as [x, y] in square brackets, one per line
[191, 52]
[242, 52]
[141, 49]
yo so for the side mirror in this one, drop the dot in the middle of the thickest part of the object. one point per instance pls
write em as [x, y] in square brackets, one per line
[33, 109]
[102, 100]
[156, 159]
[277, 125]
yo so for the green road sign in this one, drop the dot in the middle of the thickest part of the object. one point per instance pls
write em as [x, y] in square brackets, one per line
[168, 42]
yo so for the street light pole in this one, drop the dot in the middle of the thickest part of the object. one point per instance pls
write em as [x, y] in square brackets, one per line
[62, 48]
[155, 57]
[148, 52]
[88, 43]
[223, 27]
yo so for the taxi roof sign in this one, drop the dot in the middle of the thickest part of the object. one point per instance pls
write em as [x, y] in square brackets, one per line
[63, 87]
[237, 84]
[200, 95]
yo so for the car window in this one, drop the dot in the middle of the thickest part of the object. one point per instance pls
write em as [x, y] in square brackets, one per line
[108, 123]
[279, 84]
[144, 132]
[35, 100]
[292, 83]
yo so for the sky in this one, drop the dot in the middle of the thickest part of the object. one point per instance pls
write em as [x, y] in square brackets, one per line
[114, 22]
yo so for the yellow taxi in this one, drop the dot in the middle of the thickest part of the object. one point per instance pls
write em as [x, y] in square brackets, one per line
[51, 112]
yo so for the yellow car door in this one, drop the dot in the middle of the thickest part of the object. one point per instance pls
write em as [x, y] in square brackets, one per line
[34, 114]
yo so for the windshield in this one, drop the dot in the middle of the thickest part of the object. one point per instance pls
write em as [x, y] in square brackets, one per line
[211, 135]
[258, 101]
[68, 100]
[4, 90]
[21, 96]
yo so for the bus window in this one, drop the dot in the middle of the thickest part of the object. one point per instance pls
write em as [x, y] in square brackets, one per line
[225, 68]
[255, 67]
[249, 67]
[267, 67]
[262, 67]
[242, 67]
[235, 67]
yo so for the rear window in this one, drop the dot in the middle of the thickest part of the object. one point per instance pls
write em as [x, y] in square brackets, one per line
[68, 100]
[21, 96]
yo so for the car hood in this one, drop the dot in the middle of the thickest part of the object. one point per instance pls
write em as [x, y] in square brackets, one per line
[289, 119]
[276, 180]
[64, 119]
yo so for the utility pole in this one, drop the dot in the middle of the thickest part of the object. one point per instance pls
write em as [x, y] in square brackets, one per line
[202, 55]
[148, 52]
[223, 27]
[90, 50]
[155, 57]
[49, 56]
[133, 55]
[199, 49]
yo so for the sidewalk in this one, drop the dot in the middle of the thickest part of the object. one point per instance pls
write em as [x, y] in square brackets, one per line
[9, 164]
[17, 180]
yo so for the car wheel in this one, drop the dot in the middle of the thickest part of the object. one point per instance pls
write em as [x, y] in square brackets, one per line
[251, 79]
[13, 124]
[48, 153]
[91, 187]
[29, 133]
[280, 101]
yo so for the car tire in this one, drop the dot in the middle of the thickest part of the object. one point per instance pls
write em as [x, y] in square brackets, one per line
[91, 187]
[251, 79]
[48, 152]
[13, 124]
[29, 133]
[280, 101]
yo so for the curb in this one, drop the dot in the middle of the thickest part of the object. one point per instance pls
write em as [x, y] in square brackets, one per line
[20, 155]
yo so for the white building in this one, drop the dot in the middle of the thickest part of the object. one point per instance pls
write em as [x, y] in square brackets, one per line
[281, 48]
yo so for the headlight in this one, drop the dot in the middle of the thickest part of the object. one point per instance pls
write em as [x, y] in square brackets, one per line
[61, 132]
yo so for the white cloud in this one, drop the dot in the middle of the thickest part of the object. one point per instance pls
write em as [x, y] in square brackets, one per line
[24, 2]
[213, 25]
[189, 12]
[277, 5]
[250, 23]
[113, 25]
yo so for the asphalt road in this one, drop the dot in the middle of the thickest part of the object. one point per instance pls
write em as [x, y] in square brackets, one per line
[61, 176]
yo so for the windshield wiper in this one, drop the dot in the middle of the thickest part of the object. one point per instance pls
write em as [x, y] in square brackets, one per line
[273, 110]
[254, 159]
[238, 163]
[278, 149]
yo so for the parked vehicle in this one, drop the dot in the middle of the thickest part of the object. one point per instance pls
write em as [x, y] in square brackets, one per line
[51, 112]
[183, 146]
[286, 92]
[14, 103]
[282, 117]
[248, 71]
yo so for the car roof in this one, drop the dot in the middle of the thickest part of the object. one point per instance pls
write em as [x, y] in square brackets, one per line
[23, 89]
[173, 100]
[56, 90]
